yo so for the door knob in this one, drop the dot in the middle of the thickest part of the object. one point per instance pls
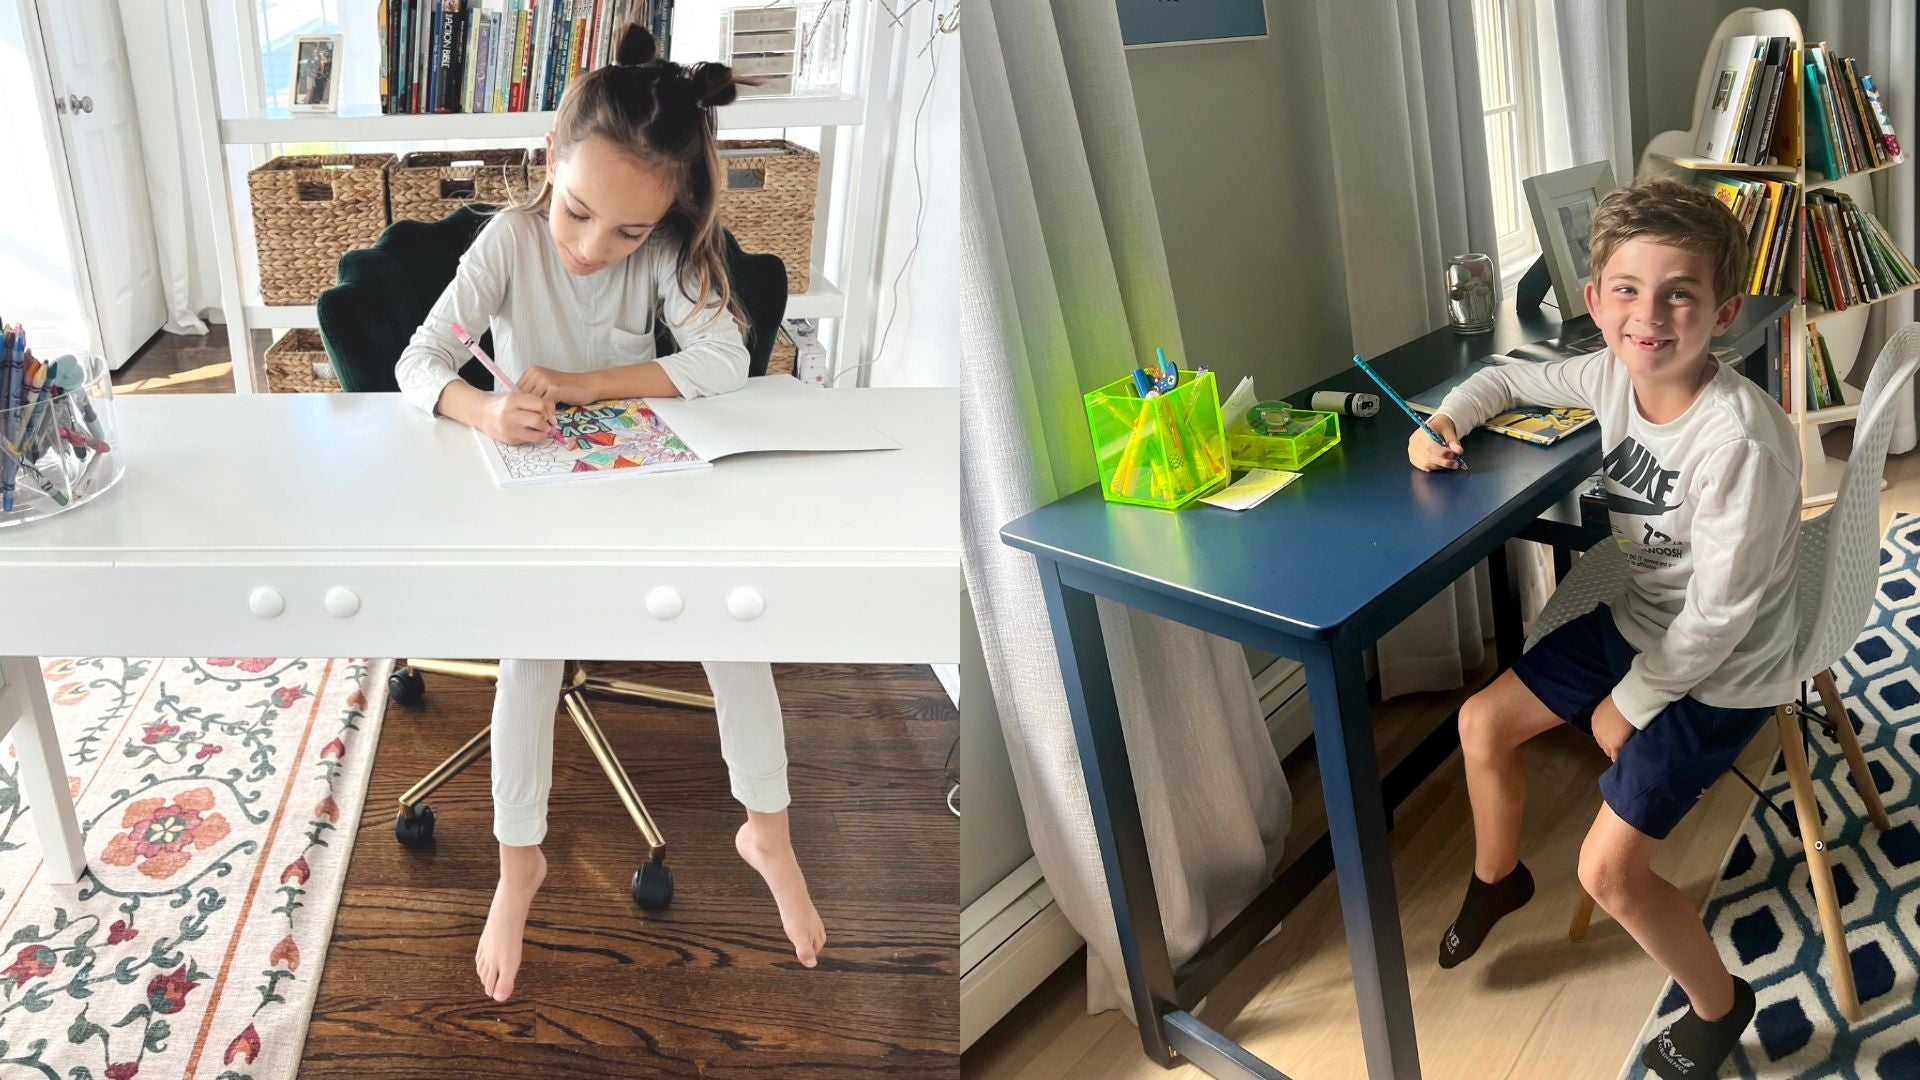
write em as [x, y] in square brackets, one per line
[80, 104]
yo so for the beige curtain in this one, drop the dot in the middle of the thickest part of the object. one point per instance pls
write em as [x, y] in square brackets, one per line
[1063, 280]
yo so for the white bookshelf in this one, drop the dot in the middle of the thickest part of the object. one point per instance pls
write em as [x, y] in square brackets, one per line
[857, 131]
[366, 123]
[1672, 153]
[821, 301]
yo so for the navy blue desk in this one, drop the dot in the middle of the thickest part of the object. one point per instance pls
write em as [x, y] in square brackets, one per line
[1316, 573]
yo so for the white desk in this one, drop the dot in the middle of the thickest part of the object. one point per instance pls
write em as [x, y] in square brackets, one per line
[378, 532]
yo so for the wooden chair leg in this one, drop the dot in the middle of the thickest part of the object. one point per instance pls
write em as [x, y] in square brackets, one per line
[1581, 916]
[1850, 743]
[1815, 846]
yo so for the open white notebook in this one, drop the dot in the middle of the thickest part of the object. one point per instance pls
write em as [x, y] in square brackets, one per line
[639, 436]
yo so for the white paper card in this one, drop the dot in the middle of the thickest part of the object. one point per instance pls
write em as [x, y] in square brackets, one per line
[1251, 490]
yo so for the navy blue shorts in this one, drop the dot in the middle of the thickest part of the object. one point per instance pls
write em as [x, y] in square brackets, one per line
[1664, 768]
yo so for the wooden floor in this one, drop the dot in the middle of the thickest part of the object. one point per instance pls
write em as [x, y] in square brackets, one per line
[183, 364]
[709, 988]
[1530, 1005]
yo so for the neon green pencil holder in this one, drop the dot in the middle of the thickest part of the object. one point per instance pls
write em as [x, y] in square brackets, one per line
[1163, 451]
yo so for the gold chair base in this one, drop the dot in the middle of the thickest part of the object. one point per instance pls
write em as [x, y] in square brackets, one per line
[576, 686]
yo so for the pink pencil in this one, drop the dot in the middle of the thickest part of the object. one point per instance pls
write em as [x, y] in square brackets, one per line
[486, 361]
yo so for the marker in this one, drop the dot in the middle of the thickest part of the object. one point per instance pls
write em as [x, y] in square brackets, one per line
[87, 441]
[1404, 407]
[42, 382]
[492, 368]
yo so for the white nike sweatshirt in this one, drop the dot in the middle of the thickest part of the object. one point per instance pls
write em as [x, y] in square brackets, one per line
[1706, 510]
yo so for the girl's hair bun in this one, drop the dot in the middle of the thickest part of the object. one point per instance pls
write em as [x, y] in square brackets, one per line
[713, 84]
[636, 46]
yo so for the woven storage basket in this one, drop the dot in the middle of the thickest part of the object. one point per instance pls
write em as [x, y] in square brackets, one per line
[536, 173]
[428, 186]
[780, 361]
[767, 192]
[308, 210]
[290, 364]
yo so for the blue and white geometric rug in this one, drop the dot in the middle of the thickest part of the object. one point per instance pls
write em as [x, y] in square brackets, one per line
[1762, 915]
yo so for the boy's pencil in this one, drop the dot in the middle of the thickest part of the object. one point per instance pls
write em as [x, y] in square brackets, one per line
[1405, 408]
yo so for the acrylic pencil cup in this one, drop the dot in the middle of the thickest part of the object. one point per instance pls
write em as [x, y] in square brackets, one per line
[1163, 451]
[62, 448]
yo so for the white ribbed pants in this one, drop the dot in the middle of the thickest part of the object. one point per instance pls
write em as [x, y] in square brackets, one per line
[752, 740]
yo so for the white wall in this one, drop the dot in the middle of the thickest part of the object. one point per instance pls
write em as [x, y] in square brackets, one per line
[923, 346]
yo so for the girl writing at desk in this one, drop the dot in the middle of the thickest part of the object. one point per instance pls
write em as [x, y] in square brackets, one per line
[626, 223]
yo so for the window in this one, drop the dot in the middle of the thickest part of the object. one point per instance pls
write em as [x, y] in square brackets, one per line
[1509, 96]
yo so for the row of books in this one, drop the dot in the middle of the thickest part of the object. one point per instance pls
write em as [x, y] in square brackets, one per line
[489, 56]
[1823, 381]
[1847, 126]
[1765, 209]
[1851, 258]
[1753, 108]
[1749, 113]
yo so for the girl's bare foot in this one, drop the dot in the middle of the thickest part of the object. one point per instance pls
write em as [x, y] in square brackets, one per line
[497, 960]
[763, 842]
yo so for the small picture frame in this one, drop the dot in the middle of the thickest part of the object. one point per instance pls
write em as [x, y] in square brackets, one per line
[1563, 204]
[1147, 24]
[316, 73]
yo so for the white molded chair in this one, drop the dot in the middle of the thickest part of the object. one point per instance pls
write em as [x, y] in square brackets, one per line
[1835, 572]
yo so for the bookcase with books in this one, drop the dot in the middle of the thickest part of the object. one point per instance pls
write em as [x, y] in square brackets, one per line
[440, 83]
[1788, 135]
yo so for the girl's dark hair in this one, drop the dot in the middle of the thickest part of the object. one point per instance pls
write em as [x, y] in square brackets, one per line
[662, 115]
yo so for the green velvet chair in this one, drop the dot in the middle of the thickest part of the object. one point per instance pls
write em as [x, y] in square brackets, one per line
[384, 293]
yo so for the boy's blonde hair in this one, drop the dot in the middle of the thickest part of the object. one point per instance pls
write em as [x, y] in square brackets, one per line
[1669, 212]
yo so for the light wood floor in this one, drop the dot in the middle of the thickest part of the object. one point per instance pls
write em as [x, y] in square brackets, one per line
[1530, 1005]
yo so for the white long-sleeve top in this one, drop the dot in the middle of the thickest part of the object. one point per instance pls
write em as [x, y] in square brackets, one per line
[1706, 509]
[511, 279]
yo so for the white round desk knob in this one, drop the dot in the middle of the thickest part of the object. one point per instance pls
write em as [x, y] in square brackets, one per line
[664, 602]
[342, 602]
[746, 604]
[266, 603]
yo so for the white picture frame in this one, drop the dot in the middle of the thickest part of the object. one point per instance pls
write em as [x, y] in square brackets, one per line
[316, 74]
[1563, 204]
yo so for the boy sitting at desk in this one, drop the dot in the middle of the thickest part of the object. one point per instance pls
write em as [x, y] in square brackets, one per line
[1703, 489]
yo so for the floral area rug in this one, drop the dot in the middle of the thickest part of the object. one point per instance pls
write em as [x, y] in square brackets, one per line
[219, 797]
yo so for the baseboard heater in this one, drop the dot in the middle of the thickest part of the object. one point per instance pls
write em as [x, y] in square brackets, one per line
[1011, 939]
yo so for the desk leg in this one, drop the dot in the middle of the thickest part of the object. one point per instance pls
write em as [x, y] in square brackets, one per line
[1357, 824]
[1509, 636]
[1116, 809]
[43, 771]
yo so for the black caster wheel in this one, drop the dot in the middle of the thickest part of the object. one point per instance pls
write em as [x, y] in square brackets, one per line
[406, 687]
[417, 831]
[653, 886]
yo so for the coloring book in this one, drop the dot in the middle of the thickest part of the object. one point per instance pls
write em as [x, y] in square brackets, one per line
[642, 436]
[595, 440]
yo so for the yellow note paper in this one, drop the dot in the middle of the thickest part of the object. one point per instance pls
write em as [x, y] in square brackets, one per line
[1252, 489]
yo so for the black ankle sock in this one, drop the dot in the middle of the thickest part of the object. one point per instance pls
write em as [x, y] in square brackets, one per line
[1483, 907]
[1691, 1048]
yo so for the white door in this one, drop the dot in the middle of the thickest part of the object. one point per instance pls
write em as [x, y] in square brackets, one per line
[94, 101]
